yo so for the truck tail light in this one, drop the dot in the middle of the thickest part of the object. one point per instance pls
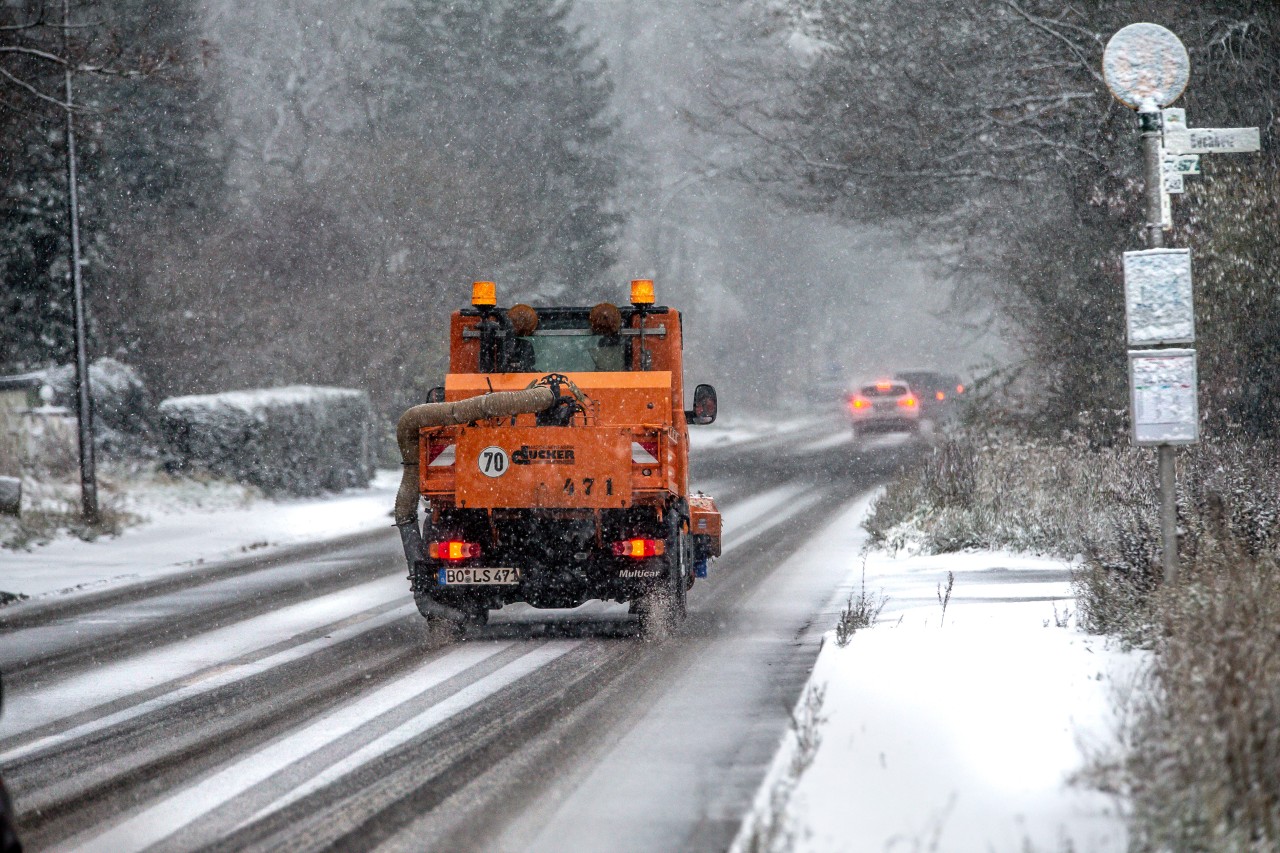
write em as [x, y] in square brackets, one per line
[639, 548]
[453, 550]
[645, 452]
[907, 402]
[441, 453]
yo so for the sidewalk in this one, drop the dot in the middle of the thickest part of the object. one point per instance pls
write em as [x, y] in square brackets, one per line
[952, 734]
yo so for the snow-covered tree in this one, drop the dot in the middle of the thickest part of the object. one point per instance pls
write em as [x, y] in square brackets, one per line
[508, 90]
[983, 127]
[142, 128]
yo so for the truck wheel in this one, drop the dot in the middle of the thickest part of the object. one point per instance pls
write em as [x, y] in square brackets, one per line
[664, 606]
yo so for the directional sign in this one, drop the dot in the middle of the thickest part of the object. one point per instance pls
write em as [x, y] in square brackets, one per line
[1162, 393]
[1173, 118]
[1213, 140]
[1157, 297]
[1145, 65]
[1180, 164]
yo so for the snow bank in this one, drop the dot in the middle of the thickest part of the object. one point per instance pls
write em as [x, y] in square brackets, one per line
[296, 440]
[957, 734]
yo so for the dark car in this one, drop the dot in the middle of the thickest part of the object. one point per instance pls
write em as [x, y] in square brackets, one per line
[938, 392]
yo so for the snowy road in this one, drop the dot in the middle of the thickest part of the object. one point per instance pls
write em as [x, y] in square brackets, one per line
[300, 703]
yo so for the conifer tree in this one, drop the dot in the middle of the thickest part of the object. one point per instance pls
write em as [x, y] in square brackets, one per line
[508, 89]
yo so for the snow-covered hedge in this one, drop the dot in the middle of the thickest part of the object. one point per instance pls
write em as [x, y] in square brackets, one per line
[296, 440]
[123, 413]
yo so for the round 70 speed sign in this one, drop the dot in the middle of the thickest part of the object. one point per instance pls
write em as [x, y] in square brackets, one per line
[493, 461]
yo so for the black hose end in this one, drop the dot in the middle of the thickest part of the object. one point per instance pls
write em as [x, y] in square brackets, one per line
[411, 539]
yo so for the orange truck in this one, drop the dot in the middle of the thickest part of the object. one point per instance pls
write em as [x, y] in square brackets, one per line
[554, 463]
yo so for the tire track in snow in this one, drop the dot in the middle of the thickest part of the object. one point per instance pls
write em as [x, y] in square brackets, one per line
[331, 772]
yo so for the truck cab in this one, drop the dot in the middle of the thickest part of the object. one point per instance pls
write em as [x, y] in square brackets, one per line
[585, 498]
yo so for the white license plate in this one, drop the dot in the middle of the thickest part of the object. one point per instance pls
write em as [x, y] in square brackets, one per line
[478, 576]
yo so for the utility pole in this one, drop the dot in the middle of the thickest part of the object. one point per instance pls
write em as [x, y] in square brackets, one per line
[84, 407]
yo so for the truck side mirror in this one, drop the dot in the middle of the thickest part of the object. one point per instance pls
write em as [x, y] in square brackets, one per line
[704, 406]
[436, 394]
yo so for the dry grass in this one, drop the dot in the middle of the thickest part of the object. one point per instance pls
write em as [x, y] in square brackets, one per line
[1202, 770]
[58, 514]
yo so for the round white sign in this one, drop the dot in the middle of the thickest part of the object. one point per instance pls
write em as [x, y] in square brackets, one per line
[1146, 63]
[493, 461]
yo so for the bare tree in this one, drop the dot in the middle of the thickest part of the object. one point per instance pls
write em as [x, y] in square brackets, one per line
[983, 128]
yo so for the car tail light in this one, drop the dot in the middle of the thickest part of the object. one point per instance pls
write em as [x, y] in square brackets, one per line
[907, 402]
[639, 548]
[440, 453]
[453, 550]
[941, 395]
[858, 403]
[883, 386]
[959, 389]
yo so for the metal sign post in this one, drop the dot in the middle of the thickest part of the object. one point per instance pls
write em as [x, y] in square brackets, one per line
[1146, 67]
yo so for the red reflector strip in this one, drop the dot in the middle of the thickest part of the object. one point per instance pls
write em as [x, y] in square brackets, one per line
[453, 550]
[644, 452]
[441, 454]
[639, 548]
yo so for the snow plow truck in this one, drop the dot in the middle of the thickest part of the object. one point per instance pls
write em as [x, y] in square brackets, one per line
[554, 462]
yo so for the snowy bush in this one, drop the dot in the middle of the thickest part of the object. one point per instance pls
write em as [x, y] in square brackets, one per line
[297, 440]
[123, 415]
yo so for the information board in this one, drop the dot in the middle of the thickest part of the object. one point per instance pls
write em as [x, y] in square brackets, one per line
[1157, 297]
[1162, 390]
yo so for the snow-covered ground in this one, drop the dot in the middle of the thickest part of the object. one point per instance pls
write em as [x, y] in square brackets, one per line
[956, 731]
[192, 524]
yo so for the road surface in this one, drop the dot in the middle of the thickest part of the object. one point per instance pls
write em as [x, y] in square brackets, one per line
[300, 703]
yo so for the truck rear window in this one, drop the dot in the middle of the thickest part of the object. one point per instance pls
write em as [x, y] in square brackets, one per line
[577, 354]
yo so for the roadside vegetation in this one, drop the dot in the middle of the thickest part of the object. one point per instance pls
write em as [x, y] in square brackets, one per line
[1202, 763]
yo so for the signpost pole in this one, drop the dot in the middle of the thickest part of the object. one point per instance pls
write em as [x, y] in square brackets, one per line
[1149, 117]
[1152, 171]
[1147, 68]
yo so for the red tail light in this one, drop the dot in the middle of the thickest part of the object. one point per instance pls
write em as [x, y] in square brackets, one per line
[453, 550]
[907, 402]
[858, 403]
[639, 548]
[959, 389]
[941, 395]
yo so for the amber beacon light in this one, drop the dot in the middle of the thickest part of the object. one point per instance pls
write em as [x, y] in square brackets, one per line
[484, 293]
[642, 291]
